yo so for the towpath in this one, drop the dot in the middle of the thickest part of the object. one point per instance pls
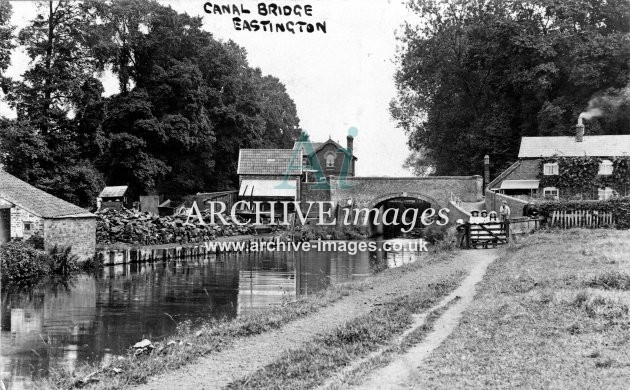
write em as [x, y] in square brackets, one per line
[247, 355]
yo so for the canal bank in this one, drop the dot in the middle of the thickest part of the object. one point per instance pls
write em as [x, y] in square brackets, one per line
[126, 253]
[219, 352]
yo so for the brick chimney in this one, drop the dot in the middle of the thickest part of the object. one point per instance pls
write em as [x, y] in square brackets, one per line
[486, 170]
[579, 132]
[349, 142]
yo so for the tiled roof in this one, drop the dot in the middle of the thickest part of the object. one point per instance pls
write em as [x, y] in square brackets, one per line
[113, 192]
[593, 145]
[36, 201]
[318, 145]
[268, 162]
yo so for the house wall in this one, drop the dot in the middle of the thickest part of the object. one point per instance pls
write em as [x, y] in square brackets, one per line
[18, 218]
[293, 178]
[339, 160]
[77, 233]
[527, 170]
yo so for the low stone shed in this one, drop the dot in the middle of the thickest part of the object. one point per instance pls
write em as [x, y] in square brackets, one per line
[26, 211]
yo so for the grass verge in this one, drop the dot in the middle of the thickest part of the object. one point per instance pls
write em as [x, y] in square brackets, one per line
[552, 312]
[192, 343]
[310, 364]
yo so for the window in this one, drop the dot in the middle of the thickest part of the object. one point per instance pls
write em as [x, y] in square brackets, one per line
[605, 193]
[605, 168]
[551, 192]
[28, 226]
[550, 169]
[330, 160]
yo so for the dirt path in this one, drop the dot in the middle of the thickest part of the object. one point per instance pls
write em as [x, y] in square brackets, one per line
[399, 374]
[249, 354]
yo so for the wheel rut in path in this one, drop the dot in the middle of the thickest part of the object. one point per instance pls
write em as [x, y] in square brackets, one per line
[399, 373]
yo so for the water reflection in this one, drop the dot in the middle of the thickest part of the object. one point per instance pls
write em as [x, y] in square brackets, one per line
[95, 318]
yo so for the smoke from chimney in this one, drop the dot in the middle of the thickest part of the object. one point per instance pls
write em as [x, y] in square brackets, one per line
[610, 100]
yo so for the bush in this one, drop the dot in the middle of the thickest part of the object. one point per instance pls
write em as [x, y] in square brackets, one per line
[620, 207]
[62, 262]
[36, 241]
[611, 281]
[434, 233]
[21, 261]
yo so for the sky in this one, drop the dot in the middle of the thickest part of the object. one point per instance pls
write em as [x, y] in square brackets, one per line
[338, 80]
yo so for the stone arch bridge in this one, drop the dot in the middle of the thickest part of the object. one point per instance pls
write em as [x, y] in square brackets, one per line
[371, 191]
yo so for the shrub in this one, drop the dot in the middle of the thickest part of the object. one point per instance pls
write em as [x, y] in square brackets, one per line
[611, 281]
[21, 261]
[62, 262]
[620, 207]
[36, 241]
[434, 233]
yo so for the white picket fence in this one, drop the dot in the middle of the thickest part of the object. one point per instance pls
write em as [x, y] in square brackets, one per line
[581, 218]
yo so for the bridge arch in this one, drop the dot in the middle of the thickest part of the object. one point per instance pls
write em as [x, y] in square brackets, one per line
[388, 200]
[402, 195]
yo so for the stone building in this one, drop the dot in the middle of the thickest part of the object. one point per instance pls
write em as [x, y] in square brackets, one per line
[26, 211]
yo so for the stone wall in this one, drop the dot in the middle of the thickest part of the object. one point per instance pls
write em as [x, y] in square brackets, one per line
[78, 233]
[21, 218]
[457, 213]
[494, 200]
[309, 192]
[369, 191]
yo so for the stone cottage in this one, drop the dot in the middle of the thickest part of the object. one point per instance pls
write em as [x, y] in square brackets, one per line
[26, 211]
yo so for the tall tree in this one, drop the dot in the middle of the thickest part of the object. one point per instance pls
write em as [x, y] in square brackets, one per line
[60, 74]
[475, 76]
[6, 43]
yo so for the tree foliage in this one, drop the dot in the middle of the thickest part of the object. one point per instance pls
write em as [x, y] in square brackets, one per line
[186, 103]
[475, 76]
[6, 42]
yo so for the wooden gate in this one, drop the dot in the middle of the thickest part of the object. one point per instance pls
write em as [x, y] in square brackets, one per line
[487, 234]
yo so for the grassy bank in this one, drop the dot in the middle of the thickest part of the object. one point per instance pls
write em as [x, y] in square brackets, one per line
[309, 365]
[552, 312]
[191, 344]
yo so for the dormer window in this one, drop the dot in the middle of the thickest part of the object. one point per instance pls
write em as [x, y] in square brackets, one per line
[605, 168]
[550, 169]
[330, 160]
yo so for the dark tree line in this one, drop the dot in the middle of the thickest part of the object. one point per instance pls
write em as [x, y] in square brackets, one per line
[475, 76]
[187, 102]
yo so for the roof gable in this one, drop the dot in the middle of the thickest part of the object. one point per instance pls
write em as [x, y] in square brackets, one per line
[317, 146]
[36, 201]
[593, 145]
[269, 162]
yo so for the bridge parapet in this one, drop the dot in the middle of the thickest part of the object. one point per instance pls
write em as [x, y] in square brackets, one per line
[369, 191]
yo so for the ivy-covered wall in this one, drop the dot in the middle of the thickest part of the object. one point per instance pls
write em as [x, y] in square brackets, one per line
[578, 176]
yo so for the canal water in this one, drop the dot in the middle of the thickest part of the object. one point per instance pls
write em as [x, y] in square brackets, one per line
[94, 318]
